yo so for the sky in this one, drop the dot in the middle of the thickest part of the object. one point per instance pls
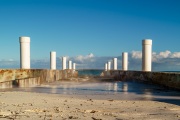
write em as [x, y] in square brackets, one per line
[91, 32]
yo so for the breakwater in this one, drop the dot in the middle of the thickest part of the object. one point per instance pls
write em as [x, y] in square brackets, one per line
[168, 79]
[30, 77]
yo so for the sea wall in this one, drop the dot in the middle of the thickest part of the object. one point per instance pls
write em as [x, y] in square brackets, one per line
[168, 79]
[29, 77]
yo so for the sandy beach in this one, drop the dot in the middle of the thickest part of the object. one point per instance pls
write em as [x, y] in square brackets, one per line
[42, 106]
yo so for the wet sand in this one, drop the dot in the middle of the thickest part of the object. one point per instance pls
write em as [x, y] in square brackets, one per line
[43, 106]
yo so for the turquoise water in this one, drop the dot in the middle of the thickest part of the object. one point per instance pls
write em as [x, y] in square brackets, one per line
[89, 72]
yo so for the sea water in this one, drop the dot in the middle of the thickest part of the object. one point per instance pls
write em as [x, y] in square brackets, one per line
[90, 72]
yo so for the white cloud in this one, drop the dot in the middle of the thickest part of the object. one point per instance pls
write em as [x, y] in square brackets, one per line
[165, 60]
[90, 55]
[67, 57]
[165, 54]
[81, 58]
[136, 54]
[175, 55]
[161, 55]
[162, 61]
[157, 57]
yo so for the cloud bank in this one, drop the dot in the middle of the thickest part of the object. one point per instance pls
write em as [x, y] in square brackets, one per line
[162, 61]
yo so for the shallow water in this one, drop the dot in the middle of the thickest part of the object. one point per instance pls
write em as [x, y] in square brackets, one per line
[126, 90]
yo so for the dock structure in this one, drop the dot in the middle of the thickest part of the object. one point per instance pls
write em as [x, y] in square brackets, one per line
[115, 63]
[168, 79]
[25, 76]
[70, 64]
[63, 63]
[31, 77]
[146, 54]
[24, 52]
[124, 61]
[74, 66]
[105, 66]
[53, 60]
[109, 65]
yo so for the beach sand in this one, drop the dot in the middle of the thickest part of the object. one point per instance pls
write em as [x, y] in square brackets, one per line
[42, 106]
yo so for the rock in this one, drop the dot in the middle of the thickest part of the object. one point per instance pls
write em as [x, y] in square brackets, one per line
[73, 117]
[93, 111]
[96, 118]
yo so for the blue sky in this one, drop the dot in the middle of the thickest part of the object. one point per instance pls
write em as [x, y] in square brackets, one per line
[105, 28]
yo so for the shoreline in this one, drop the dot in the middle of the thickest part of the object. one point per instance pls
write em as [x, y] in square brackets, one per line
[28, 105]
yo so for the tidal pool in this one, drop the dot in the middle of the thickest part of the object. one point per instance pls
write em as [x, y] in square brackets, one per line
[123, 90]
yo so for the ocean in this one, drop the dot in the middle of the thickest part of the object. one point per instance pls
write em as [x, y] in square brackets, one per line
[89, 72]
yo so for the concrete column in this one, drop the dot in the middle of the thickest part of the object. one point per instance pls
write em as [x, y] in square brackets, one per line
[115, 63]
[124, 61]
[109, 66]
[146, 54]
[74, 66]
[105, 66]
[70, 64]
[24, 52]
[53, 60]
[63, 63]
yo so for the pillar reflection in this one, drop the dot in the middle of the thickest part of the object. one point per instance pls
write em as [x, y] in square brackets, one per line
[125, 88]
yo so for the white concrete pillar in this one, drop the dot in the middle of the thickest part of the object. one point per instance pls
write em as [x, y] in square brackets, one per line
[146, 54]
[70, 64]
[105, 66]
[124, 61]
[53, 60]
[74, 66]
[63, 63]
[24, 52]
[115, 63]
[109, 66]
